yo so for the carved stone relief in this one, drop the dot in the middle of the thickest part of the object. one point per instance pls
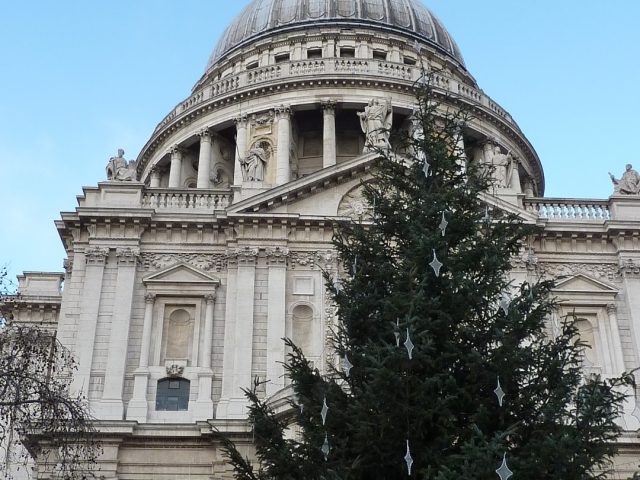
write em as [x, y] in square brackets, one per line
[355, 206]
[201, 261]
[604, 271]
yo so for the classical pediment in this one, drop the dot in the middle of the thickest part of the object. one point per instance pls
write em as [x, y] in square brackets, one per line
[583, 284]
[183, 274]
[334, 191]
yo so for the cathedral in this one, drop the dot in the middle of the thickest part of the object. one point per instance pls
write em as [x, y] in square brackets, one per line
[187, 265]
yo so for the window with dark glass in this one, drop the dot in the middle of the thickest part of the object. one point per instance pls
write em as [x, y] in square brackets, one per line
[172, 394]
[282, 57]
[379, 55]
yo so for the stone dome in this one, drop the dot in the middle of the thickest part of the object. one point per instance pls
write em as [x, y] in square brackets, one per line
[265, 17]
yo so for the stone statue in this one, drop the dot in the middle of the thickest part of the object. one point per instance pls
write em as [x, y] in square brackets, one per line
[254, 165]
[375, 122]
[121, 170]
[502, 166]
[629, 184]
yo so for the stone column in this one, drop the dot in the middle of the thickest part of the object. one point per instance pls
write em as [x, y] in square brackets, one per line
[155, 177]
[238, 334]
[241, 148]
[204, 159]
[111, 406]
[329, 133]
[139, 406]
[176, 167]
[95, 258]
[283, 173]
[276, 315]
[208, 331]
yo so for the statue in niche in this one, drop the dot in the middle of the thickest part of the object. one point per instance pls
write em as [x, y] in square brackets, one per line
[629, 184]
[375, 122]
[254, 164]
[220, 178]
[121, 170]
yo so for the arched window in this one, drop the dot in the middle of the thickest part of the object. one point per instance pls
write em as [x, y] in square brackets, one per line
[172, 394]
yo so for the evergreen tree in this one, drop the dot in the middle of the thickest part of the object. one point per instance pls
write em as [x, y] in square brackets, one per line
[425, 352]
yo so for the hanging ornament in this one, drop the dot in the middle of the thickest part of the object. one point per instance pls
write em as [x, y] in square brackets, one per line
[325, 447]
[408, 459]
[503, 472]
[487, 217]
[346, 365]
[425, 168]
[354, 266]
[555, 328]
[337, 284]
[499, 393]
[443, 224]
[504, 303]
[408, 344]
[436, 264]
[325, 410]
[397, 332]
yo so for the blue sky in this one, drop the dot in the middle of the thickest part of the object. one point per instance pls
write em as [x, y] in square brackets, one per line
[82, 78]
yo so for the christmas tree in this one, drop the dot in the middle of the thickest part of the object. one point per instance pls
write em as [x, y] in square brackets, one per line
[445, 369]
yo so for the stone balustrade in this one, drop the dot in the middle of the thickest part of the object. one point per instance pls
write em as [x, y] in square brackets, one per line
[569, 209]
[329, 66]
[186, 199]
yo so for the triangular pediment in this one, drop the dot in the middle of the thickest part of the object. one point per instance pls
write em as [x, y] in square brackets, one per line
[581, 283]
[322, 193]
[181, 273]
[305, 192]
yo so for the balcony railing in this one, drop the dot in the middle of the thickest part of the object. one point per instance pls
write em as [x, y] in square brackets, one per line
[179, 199]
[328, 67]
[569, 210]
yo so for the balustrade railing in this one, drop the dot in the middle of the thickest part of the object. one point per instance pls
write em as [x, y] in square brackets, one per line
[192, 199]
[568, 209]
[328, 66]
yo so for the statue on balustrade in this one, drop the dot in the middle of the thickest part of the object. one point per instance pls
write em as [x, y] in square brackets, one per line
[121, 170]
[254, 164]
[375, 122]
[629, 184]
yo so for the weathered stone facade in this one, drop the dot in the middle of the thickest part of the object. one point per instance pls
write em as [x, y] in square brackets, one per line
[196, 267]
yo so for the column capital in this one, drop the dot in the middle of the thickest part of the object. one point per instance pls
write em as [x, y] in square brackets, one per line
[329, 106]
[96, 255]
[155, 170]
[277, 255]
[127, 255]
[205, 134]
[283, 111]
[241, 120]
[150, 298]
[245, 256]
[176, 150]
[210, 298]
[612, 308]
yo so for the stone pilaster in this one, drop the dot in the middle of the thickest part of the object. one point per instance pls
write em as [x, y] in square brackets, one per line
[283, 169]
[95, 260]
[329, 133]
[276, 315]
[630, 270]
[204, 159]
[241, 147]
[203, 408]
[238, 332]
[111, 406]
[138, 406]
[616, 344]
[175, 172]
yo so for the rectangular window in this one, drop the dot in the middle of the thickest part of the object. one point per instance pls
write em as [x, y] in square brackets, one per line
[347, 52]
[314, 53]
[379, 55]
[282, 57]
[252, 65]
[409, 61]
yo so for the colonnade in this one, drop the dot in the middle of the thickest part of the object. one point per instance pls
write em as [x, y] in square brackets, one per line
[210, 154]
